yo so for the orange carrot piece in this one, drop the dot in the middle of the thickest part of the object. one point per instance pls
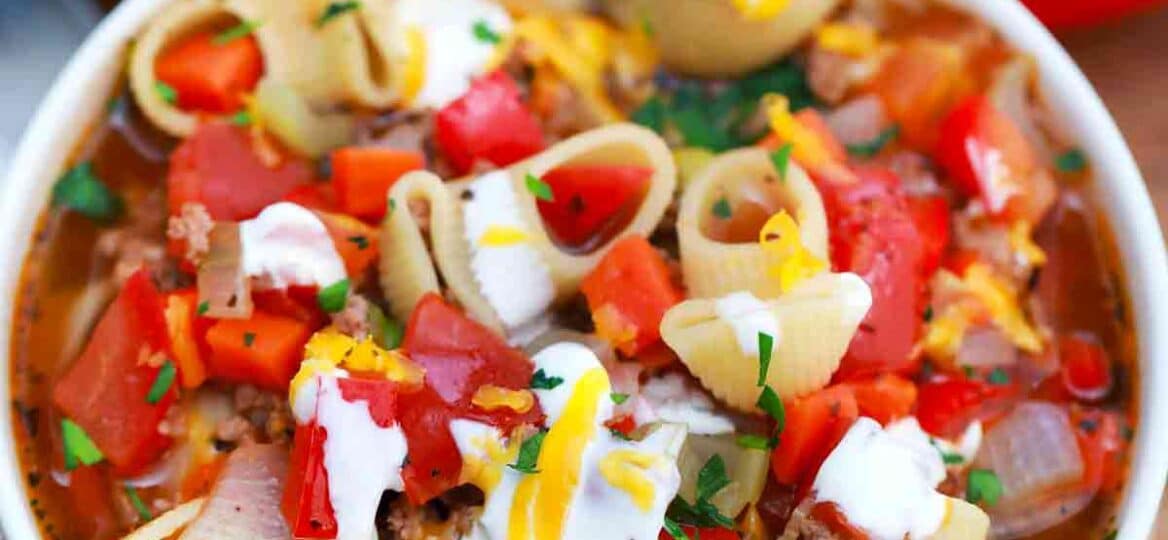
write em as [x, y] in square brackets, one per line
[885, 398]
[628, 293]
[814, 424]
[211, 76]
[264, 350]
[363, 175]
[356, 242]
[180, 314]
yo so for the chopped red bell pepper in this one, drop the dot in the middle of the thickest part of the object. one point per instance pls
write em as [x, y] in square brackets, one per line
[1085, 367]
[306, 504]
[218, 167]
[489, 123]
[814, 425]
[988, 157]
[589, 200]
[931, 215]
[886, 398]
[363, 175]
[628, 294]
[459, 356]
[264, 350]
[873, 234]
[210, 76]
[946, 405]
[105, 390]
[704, 533]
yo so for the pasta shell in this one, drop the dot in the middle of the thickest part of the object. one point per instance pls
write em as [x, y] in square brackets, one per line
[328, 65]
[964, 521]
[816, 322]
[694, 36]
[713, 268]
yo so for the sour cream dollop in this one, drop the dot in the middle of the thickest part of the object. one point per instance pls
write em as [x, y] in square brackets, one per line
[287, 244]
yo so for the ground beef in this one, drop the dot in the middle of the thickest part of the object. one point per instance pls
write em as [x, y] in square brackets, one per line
[260, 416]
[354, 319]
[193, 225]
[804, 527]
[128, 251]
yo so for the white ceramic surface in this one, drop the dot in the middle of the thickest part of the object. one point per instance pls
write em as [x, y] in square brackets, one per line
[80, 94]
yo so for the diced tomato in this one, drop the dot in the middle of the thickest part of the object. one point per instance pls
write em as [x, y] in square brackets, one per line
[946, 405]
[209, 76]
[217, 166]
[873, 234]
[488, 123]
[1101, 443]
[590, 200]
[297, 302]
[363, 175]
[105, 390]
[831, 516]
[628, 293]
[93, 513]
[705, 533]
[624, 424]
[959, 260]
[1085, 367]
[886, 398]
[987, 157]
[931, 215]
[356, 242]
[306, 504]
[188, 336]
[815, 424]
[264, 350]
[319, 197]
[459, 355]
[919, 83]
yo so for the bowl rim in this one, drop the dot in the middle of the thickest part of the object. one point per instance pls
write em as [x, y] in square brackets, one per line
[1120, 194]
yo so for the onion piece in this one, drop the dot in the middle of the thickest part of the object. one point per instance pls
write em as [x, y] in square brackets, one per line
[167, 524]
[858, 121]
[224, 287]
[1010, 93]
[286, 114]
[1036, 457]
[245, 502]
[986, 346]
[746, 468]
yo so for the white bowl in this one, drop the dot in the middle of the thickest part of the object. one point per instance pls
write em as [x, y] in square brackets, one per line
[80, 93]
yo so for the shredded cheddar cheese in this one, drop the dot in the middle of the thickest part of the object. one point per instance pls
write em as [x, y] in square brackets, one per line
[625, 470]
[485, 472]
[761, 10]
[1023, 244]
[1001, 301]
[329, 350]
[806, 146]
[414, 67]
[853, 40]
[500, 236]
[613, 327]
[791, 261]
[490, 397]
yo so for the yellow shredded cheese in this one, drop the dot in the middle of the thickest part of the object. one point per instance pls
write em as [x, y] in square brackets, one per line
[489, 397]
[501, 235]
[1023, 244]
[625, 470]
[791, 261]
[414, 67]
[854, 40]
[761, 10]
[1001, 301]
[806, 146]
[486, 472]
[368, 357]
[329, 349]
[613, 327]
[945, 333]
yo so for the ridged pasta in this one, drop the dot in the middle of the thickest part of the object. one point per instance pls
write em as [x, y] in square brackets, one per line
[816, 323]
[964, 521]
[711, 38]
[328, 65]
[407, 271]
[712, 268]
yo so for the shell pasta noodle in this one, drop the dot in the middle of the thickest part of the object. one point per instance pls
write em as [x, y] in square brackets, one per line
[713, 267]
[811, 325]
[566, 270]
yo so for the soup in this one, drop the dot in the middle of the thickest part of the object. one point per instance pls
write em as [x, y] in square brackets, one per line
[641, 269]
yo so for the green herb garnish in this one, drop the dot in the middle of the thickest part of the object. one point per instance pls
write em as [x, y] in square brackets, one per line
[874, 146]
[529, 454]
[951, 458]
[162, 382]
[143, 511]
[240, 30]
[618, 398]
[756, 442]
[651, 114]
[766, 343]
[203, 307]
[541, 381]
[928, 314]
[83, 192]
[248, 338]
[334, 10]
[998, 376]
[770, 403]
[702, 513]
[1071, 161]
[781, 159]
[387, 331]
[484, 33]
[361, 241]
[538, 188]
[675, 530]
[722, 209]
[983, 486]
[79, 448]
[166, 92]
[332, 299]
[241, 118]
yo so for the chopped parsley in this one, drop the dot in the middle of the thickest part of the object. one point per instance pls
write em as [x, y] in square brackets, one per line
[238, 31]
[770, 403]
[756, 442]
[874, 146]
[722, 208]
[203, 307]
[651, 114]
[538, 188]
[80, 190]
[166, 92]
[162, 382]
[675, 530]
[766, 343]
[618, 398]
[484, 33]
[334, 10]
[618, 434]
[332, 299]
[360, 240]
[541, 381]
[702, 513]
[241, 118]
[781, 159]
[952, 458]
[1071, 161]
[983, 486]
[143, 511]
[248, 338]
[998, 376]
[79, 448]
[387, 331]
[928, 314]
[529, 454]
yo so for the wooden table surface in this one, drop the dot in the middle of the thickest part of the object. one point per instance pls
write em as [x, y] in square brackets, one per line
[1126, 63]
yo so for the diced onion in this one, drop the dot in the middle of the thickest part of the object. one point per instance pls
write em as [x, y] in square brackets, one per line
[747, 469]
[1034, 453]
[986, 346]
[224, 288]
[287, 115]
[167, 524]
[858, 121]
